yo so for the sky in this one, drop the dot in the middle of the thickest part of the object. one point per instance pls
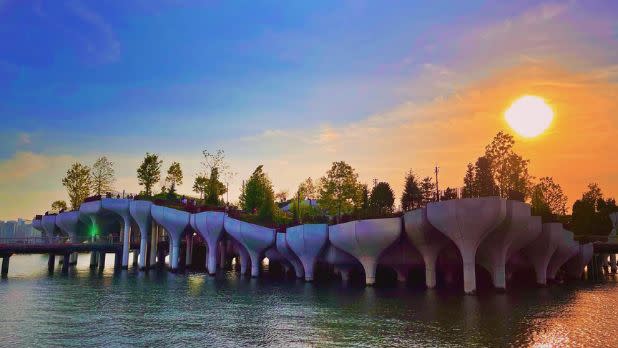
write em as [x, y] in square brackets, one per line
[387, 86]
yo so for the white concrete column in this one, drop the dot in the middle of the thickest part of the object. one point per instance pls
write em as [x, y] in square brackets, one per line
[126, 241]
[469, 269]
[429, 258]
[189, 252]
[174, 253]
[154, 242]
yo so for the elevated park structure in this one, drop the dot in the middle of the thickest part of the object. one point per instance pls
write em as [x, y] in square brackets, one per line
[445, 240]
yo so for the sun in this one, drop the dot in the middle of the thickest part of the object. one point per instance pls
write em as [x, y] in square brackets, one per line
[529, 116]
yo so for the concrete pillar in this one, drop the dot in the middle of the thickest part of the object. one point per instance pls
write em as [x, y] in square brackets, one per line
[255, 239]
[126, 241]
[210, 226]
[244, 259]
[174, 253]
[118, 258]
[141, 212]
[73, 259]
[401, 274]
[160, 257]
[136, 256]
[222, 253]
[612, 262]
[344, 273]
[51, 263]
[286, 252]
[5, 265]
[102, 260]
[189, 250]
[93, 259]
[154, 243]
[66, 262]
[307, 242]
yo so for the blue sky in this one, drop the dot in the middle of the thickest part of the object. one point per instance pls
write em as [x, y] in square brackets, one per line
[270, 82]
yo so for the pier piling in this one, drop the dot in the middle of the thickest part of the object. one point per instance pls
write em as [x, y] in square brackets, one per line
[5, 265]
[51, 262]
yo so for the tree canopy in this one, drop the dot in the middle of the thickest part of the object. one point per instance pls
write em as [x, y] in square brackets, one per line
[382, 197]
[340, 190]
[174, 176]
[59, 205]
[257, 194]
[78, 183]
[149, 172]
[509, 170]
[411, 197]
[591, 213]
[547, 199]
[102, 176]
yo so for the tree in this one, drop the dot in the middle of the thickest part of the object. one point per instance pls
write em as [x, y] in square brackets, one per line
[382, 198]
[200, 185]
[362, 198]
[339, 189]
[102, 176]
[411, 197]
[174, 176]
[78, 183]
[483, 178]
[548, 198]
[307, 189]
[215, 188]
[59, 205]
[448, 194]
[282, 196]
[591, 213]
[470, 190]
[258, 195]
[509, 170]
[149, 172]
[428, 191]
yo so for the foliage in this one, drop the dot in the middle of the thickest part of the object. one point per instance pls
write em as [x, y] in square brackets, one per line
[382, 197]
[200, 185]
[214, 188]
[509, 170]
[548, 199]
[428, 191]
[470, 189]
[448, 194]
[484, 184]
[149, 172]
[591, 213]
[59, 205]
[362, 200]
[215, 167]
[411, 197]
[339, 189]
[102, 176]
[307, 189]
[257, 195]
[307, 213]
[282, 196]
[78, 183]
[174, 176]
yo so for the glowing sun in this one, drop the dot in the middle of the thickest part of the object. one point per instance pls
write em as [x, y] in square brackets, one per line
[529, 116]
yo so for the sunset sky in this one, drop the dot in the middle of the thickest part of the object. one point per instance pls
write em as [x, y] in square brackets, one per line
[387, 86]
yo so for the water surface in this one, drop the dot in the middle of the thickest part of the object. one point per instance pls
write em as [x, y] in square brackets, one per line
[159, 308]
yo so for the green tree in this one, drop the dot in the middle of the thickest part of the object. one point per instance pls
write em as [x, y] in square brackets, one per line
[470, 190]
[215, 187]
[339, 189]
[428, 191]
[200, 185]
[102, 176]
[411, 197]
[484, 179]
[382, 198]
[307, 189]
[258, 195]
[59, 205]
[174, 176]
[282, 196]
[78, 183]
[591, 213]
[149, 172]
[509, 170]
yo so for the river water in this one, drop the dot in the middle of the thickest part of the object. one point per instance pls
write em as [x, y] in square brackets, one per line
[158, 308]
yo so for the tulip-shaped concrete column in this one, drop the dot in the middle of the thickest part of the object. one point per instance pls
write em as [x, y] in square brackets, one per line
[427, 239]
[89, 212]
[342, 261]
[256, 239]
[492, 252]
[48, 222]
[567, 248]
[140, 211]
[575, 266]
[366, 240]
[209, 225]
[284, 249]
[174, 221]
[37, 224]
[68, 222]
[243, 256]
[540, 250]
[467, 222]
[121, 207]
[307, 242]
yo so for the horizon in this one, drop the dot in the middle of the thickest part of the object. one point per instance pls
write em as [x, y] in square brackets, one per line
[387, 89]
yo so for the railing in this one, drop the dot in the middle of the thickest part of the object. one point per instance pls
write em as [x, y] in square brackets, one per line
[111, 239]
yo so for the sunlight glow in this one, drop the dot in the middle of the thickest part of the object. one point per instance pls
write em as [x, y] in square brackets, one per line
[529, 116]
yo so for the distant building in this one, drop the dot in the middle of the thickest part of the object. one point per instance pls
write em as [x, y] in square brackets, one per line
[17, 231]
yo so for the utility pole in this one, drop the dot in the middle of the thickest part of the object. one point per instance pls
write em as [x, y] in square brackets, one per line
[437, 170]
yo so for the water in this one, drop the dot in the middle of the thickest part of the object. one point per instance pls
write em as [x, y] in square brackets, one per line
[163, 309]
